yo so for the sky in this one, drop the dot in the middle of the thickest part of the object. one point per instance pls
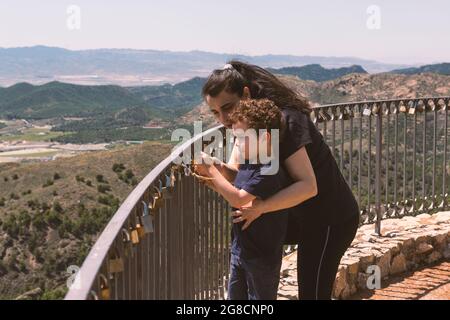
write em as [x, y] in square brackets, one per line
[392, 31]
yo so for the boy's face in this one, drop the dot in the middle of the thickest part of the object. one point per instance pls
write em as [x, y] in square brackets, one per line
[247, 140]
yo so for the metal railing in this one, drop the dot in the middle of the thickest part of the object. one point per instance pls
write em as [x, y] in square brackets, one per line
[170, 237]
[393, 154]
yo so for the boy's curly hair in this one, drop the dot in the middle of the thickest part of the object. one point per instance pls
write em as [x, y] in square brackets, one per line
[258, 114]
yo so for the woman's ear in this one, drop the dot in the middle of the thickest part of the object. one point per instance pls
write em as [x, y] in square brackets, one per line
[246, 93]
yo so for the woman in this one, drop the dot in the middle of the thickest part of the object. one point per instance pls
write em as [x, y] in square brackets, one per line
[324, 214]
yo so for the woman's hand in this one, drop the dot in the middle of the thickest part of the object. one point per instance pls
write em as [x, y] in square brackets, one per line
[249, 213]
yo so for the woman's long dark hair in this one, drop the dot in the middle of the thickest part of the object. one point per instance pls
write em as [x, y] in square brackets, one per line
[262, 84]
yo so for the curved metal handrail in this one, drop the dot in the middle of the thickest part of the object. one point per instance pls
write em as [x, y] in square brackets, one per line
[90, 268]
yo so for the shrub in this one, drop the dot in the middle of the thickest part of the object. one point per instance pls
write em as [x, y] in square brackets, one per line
[53, 219]
[129, 174]
[14, 196]
[103, 188]
[57, 207]
[118, 167]
[48, 183]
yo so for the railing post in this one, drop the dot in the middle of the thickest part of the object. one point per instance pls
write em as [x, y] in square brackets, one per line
[379, 136]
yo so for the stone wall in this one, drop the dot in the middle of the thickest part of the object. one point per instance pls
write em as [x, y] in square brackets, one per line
[406, 245]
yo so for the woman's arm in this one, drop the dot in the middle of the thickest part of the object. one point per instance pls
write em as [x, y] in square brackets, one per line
[304, 187]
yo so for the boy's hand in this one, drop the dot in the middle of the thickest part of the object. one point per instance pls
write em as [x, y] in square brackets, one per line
[249, 213]
[203, 167]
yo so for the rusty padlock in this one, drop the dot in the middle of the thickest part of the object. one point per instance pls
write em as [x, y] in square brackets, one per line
[105, 293]
[115, 263]
[140, 230]
[134, 236]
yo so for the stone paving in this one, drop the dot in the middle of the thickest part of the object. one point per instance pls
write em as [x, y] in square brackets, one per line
[413, 254]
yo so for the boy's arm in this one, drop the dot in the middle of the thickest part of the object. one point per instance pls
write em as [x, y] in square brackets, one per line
[237, 198]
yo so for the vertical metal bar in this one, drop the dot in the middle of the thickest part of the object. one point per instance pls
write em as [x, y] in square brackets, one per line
[333, 131]
[350, 179]
[222, 251]
[387, 133]
[342, 142]
[379, 137]
[195, 238]
[433, 181]
[444, 164]
[395, 157]
[424, 159]
[157, 249]
[216, 247]
[369, 165]
[210, 242]
[205, 245]
[360, 137]
[413, 208]
[405, 151]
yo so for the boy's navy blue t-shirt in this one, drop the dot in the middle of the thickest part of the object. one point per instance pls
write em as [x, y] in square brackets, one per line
[265, 236]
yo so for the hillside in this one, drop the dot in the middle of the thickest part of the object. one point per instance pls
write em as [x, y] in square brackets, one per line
[56, 99]
[439, 68]
[317, 73]
[51, 213]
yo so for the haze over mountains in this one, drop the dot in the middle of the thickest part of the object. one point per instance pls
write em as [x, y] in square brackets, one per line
[128, 67]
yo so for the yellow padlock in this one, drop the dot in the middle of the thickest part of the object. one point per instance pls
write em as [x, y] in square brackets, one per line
[134, 236]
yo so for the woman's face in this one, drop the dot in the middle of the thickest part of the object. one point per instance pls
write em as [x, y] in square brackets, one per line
[224, 103]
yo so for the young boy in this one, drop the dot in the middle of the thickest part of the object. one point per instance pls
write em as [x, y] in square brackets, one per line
[256, 248]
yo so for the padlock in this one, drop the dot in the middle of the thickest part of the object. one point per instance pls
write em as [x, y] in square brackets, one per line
[147, 220]
[134, 236]
[158, 200]
[402, 108]
[375, 108]
[167, 193]
[115, 264]
[344, 114]
[140, 230]
[412, 107]
[163, 189]
[367, 111]
[105, 293]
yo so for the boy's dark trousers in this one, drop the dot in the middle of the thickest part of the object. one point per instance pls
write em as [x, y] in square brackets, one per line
[253, 279]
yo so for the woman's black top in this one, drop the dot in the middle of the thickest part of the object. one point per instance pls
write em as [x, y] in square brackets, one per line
[335, 201]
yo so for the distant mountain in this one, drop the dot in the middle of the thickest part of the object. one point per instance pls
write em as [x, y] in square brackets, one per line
[317, 73]
[126, 67]
[440, 68]
[56, 99]
[177, 98]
